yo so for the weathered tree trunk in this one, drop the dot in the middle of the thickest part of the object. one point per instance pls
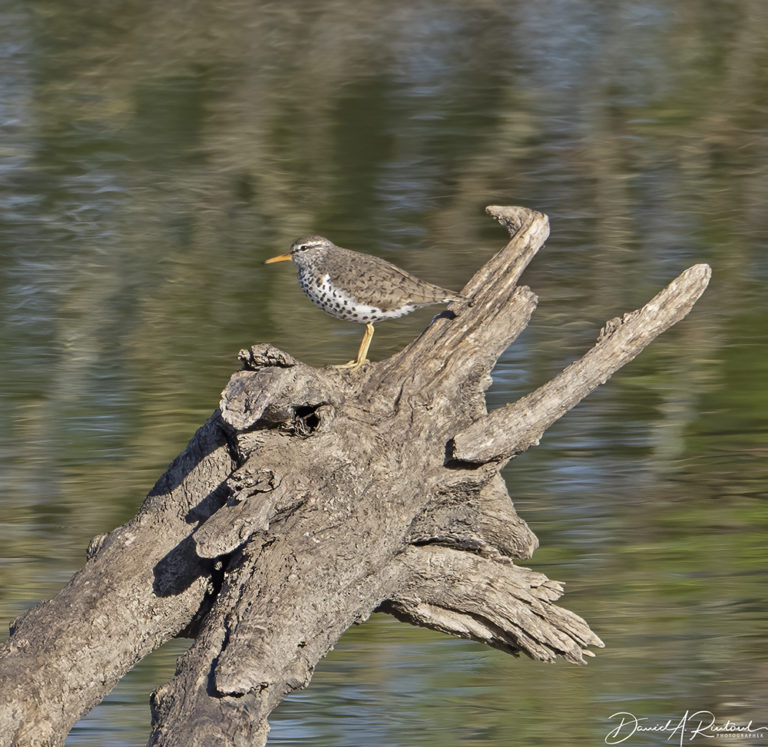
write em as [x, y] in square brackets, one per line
[312, 498]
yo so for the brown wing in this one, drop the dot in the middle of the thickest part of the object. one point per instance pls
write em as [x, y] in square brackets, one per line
[382, 284]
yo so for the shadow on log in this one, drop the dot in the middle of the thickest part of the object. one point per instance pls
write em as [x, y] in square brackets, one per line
[312, 498]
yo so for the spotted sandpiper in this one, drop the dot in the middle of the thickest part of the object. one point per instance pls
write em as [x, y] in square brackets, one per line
[358, 287]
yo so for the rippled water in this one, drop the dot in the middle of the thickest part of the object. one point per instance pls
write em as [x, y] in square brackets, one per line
[152, 155]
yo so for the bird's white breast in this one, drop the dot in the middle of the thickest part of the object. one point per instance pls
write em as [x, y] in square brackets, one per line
[341, 305]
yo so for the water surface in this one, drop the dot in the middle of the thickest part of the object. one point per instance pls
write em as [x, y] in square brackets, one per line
[152, 155]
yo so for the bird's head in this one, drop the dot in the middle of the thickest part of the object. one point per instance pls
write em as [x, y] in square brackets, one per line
[305, 251]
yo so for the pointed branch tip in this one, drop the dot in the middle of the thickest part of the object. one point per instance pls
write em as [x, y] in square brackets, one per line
[513, 217]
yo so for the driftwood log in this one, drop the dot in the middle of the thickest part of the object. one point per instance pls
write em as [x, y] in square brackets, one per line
[310, 499]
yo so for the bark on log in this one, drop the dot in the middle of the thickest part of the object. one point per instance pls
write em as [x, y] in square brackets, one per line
[312, 498]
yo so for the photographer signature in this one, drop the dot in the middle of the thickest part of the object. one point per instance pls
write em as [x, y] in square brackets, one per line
[684, 729]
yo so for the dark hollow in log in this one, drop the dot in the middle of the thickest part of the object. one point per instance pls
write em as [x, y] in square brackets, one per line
[312, 498]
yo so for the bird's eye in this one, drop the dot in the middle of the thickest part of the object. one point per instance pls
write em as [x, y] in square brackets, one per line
[302, 247]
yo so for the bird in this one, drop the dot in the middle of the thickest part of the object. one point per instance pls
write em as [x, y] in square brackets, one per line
[358, 287]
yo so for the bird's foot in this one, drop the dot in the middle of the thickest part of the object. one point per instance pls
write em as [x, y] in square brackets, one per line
[352, 365]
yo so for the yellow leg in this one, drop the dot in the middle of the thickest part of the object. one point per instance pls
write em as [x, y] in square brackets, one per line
[362, 352]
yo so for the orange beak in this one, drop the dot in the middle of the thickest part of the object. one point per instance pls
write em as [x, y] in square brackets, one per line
[280, 258]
